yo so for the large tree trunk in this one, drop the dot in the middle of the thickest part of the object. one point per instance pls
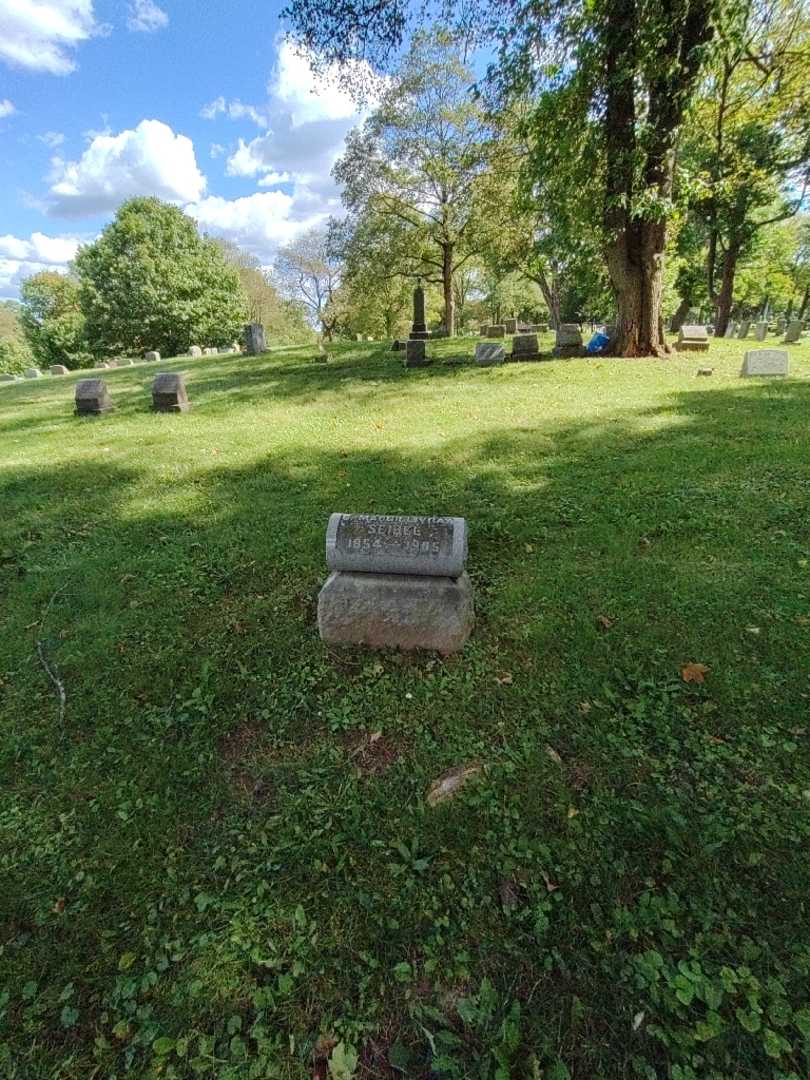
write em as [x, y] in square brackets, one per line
[725, 297]
[447, 285]
[636, 265]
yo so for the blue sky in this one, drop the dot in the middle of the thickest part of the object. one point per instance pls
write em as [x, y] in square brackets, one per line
[200, 102]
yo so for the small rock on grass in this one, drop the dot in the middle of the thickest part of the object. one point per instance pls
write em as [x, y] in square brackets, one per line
[446, 786]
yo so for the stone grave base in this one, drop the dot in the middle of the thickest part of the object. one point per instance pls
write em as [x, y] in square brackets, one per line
[517, 357]
[568, 351]
[396, 611]
[692, 346]
[419, 335]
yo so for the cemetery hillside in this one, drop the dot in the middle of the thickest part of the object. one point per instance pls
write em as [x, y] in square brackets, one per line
[219, 856]
[405, 540]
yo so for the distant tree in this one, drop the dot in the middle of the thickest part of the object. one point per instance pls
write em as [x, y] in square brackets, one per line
[747, 145]
[151, 281]
[15, 352]
[52, 320]
[414, 163]
[611, 80]
[284, 320]
[309, 271]
[376, 286]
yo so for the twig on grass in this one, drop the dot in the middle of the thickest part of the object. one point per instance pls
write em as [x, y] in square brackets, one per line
[52, 670]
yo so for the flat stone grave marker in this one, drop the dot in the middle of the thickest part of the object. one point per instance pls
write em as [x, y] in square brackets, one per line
[510, 326]
[210, 350]
[58, 369]
[415, 353]
[487, 354]
[152, 355]
[92, 398]
[195, 351]
[6, 377]
[33, 373]
[729, 330]
[254, 339]
[705, 371]
[169, 393]
[766, 362]
[761, 331]
[396, 582]
[497, 330]
[525, 347]
[744, 328]
[693, 337]
[793, 332]
[398, 346]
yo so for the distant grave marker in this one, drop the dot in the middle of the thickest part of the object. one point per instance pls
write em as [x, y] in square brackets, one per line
[793, 332]
[768, 362]
[92, 398]
[415, 353]
[525, 347]
[169, 394]
[693, 337]
[488, 354]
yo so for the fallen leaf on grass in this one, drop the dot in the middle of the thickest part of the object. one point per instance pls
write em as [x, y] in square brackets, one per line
[446, 786]
[550, 886]
[572, 811]
[505, 679]
[584, 707]
[604, 621]
[555, 757]
[695, 673]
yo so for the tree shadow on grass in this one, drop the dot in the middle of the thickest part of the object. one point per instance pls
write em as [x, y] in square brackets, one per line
[604, 556]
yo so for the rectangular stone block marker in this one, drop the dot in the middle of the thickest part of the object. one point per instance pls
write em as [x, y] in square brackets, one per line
[396, 582]
[389, 544]
[415, 353]
[794, 332]
[254, 339]
[487, 354]
[169, 393]
[92, 398]
[694, 338]
[396, 611]
[525, 347]
[766, 362]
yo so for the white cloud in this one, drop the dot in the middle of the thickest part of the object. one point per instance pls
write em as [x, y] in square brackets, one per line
[20, 258]
[217, 150]
[41, 35]
[6, 108]
[52, 139]
[260, 223]
[146, 17]
[308, 97]
[149, 160]
[235, 109]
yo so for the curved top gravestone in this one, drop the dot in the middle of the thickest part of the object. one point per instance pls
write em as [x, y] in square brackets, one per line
[391, 544]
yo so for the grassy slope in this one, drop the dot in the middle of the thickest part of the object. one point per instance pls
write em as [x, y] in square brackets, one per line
[211, 863]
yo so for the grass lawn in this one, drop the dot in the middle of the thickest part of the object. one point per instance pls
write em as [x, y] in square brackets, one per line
[221, 861]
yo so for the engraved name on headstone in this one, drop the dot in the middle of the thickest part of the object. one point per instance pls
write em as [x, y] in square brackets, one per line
[390, 544]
